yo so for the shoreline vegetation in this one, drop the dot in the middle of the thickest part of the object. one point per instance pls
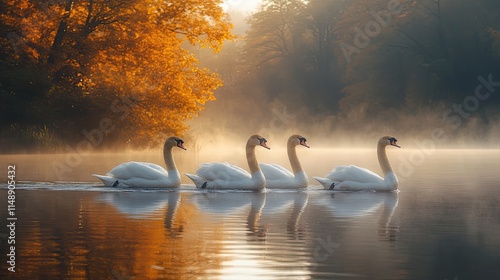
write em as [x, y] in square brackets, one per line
[115, 74]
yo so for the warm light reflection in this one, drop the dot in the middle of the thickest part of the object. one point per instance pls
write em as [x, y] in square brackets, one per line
[246, 241]
[446, 209]
[243, 266]
[98, 239]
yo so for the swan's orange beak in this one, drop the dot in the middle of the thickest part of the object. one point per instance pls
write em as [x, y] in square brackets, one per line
[395, 145]
[264, 144]
[181, 145]
[303, 143]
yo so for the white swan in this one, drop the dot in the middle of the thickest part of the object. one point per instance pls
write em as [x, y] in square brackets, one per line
[144, 174]
[279, 177]
[228, 176]
[353, 178]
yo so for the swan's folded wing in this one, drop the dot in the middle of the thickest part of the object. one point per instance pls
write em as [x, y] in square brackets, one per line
[131, 170]
[154, 166]
[222, 171]
[354, 173]
[275, 171]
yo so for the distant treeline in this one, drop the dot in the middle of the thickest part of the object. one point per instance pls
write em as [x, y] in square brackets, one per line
[124, 71]
[103, 71]
[361, 60]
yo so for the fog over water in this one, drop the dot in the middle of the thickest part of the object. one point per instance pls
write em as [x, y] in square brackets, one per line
[442, 224]
[316, 161]
[340, 73]
[233, 118]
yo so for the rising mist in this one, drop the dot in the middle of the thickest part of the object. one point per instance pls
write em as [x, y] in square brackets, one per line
[347, 73]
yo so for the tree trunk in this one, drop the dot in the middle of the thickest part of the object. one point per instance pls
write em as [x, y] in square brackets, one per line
[61, 32]
[88, 28]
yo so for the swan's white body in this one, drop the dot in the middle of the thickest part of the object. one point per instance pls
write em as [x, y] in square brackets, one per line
[278, 177]
[144, 174]
[228, 176]
[140, 174]
[353, 178]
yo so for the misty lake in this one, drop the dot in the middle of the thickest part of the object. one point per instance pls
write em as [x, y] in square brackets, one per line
[444, 222]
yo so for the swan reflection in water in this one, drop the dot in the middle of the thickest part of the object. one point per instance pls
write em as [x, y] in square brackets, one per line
[142, 204]
[234, 203]
[293, 204]
[262, 209]
[263, 215]
[351, 205]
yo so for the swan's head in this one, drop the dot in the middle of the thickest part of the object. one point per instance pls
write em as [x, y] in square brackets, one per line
[175, 142]
[389, 141]
[298, 140]
[257, 140]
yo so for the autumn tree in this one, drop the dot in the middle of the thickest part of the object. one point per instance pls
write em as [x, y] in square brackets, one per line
[122, 61]
[156, 71]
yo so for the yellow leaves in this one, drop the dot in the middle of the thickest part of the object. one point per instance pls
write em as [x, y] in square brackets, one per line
[199, 22]
[154, 65]
[128, 49]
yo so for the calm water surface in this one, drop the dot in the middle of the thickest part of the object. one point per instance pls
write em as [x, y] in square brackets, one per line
[444, 223]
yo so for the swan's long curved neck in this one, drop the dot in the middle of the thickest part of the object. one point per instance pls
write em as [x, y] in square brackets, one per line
[169, 159]
[294, 160]
[253, 165]
[383, 160]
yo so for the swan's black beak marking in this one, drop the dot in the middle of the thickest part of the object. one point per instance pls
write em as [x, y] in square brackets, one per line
[115, 184]
[204, 186]
[332, 186]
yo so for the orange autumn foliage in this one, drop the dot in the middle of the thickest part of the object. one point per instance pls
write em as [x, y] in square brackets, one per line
[96, 52]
